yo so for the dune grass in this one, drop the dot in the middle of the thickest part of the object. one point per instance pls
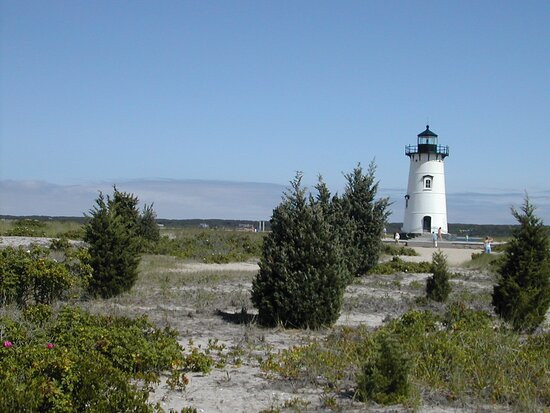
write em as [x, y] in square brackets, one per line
[34, 228]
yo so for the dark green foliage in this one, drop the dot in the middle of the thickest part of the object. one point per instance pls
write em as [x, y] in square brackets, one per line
[144, 225]
[114, 244]
[438, 287]
[302, 273]
[125, 205]
[148, 228]
[522, 295]
[364, 218]
[385, 375]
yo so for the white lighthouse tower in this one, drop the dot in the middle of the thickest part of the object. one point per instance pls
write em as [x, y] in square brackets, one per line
[425, 202]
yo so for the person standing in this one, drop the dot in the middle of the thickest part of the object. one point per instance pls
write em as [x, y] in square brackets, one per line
[434, 239]
[396, 237]
[439, 234]
[487, 244]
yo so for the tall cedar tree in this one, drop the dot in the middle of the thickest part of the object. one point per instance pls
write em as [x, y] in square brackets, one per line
[522, 295]
[148, 228]
[301, 279]
[114, 244]
[364, 219]
[144, 224]
[438, 287]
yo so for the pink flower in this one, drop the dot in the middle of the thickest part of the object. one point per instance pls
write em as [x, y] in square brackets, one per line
[50, 345]
[8, 344]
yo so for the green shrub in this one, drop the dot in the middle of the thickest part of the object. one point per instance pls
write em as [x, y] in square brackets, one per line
[391, 249]
[397, 265]
[438, 287]
[148, 229]
[79, 362]
[198, 362]
[302, 272]
[71, 234]
[32, 277]
[60, 244]
[459, 317]
[363, 220]
[209, 245]
[385, 375]
[27, 228]
[522, 294]
[114, 244]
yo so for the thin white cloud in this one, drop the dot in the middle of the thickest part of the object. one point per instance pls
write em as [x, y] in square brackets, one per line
[177, 199]
[184, 199]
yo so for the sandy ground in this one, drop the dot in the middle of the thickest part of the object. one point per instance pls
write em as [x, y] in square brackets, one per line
[28, 241]
[203, 303]
[455, 256]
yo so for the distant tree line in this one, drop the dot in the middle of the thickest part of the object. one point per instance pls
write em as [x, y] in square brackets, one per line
[473, 230]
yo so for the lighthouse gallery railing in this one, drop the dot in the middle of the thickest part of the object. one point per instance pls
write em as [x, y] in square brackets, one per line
[439, 149]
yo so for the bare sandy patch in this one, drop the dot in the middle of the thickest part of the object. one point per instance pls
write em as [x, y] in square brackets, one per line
[455, 256]
[202, 267]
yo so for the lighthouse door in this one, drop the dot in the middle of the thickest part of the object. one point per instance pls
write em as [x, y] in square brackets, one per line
[427, 224]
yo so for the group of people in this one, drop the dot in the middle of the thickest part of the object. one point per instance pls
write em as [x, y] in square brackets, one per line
[438, 236]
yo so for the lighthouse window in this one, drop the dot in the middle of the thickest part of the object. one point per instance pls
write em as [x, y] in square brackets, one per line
[427, 182]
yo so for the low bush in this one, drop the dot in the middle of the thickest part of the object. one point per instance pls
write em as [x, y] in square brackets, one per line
[482, 261]
[31, 276]
[438, 287]
[397, 265]
[209, 245]
[27, 228]
[385, 376]
[391, 249]
[74, 361]
[36, 228]
[459, 355]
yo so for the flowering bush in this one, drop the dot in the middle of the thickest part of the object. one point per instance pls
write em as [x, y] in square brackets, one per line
[82, 362]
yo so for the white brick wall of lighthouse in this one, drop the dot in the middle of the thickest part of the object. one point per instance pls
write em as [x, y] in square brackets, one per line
[425, 201]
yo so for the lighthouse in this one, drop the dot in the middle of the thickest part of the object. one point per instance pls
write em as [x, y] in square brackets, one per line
[425, 201]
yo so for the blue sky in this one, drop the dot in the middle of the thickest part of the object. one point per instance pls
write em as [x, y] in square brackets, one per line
[251, 91]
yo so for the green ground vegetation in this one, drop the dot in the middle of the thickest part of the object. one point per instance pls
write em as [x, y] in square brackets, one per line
[35, 228]
[484, 262]
[459, 356]
[208, 245]
[69, 360]
[394, 250]
[397, 265]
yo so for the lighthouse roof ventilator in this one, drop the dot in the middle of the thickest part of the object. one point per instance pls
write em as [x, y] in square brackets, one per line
[425, 201]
